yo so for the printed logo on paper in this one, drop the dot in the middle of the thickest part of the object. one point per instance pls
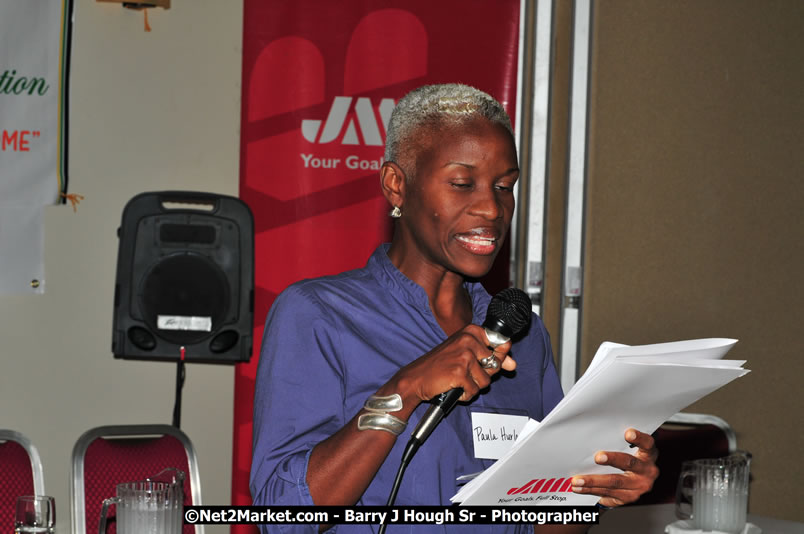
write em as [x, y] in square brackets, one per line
[542, 490]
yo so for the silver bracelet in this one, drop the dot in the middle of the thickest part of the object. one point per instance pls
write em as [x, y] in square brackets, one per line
[391, 403]
[381, 421]
[378, 417]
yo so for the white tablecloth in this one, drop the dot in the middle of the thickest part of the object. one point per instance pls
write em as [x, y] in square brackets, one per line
[653, 518]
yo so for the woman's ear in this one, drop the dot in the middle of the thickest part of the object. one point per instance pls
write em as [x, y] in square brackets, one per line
[392, 180]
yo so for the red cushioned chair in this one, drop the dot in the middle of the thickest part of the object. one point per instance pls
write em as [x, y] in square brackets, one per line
[686, 436]
[109, 455]
[20, 473]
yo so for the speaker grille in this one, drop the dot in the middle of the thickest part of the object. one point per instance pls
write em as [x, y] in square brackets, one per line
[185, 285]
[187, 233]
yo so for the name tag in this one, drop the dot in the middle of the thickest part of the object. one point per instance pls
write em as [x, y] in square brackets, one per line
[494, 433]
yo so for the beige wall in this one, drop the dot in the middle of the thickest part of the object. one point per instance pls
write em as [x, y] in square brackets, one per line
[694, 225]
[150, 111]
[694, 207]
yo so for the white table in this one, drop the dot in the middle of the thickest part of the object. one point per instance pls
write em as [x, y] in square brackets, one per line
[652, 518]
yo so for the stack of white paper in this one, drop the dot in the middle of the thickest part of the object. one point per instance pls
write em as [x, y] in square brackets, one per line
[624, 387]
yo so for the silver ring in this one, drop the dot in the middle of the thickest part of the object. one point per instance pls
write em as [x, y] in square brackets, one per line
[490, 362]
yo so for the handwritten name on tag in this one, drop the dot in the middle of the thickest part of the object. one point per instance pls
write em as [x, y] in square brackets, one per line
[494, 434]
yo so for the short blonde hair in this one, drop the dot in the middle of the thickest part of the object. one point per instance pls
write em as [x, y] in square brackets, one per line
[433, 106]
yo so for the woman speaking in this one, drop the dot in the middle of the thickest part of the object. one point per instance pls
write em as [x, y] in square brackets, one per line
[349, 362]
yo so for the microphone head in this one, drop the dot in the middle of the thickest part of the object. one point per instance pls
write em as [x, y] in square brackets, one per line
[509, 312]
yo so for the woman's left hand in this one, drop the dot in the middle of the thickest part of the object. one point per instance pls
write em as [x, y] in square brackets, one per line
[639, 472]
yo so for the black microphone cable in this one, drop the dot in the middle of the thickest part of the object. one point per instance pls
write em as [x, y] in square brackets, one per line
[410, 449]
[507, 315]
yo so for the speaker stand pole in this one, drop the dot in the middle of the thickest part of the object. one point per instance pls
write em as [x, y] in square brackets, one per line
[179, 385]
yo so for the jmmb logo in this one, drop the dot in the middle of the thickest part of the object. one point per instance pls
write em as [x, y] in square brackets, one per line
[541, 485]
[337, 118]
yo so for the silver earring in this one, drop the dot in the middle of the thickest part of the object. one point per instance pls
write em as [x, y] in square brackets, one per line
[396, 213]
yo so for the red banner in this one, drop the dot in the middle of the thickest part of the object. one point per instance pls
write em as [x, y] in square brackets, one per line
[320, 79]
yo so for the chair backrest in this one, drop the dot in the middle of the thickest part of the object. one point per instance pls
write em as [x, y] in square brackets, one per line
[20, 473]
[109, 455]
[686, 436]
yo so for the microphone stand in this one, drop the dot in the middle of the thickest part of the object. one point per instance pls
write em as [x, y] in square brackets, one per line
[179, 385]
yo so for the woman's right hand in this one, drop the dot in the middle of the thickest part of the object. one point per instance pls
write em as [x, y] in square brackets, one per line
[455, 363]
[342, 466]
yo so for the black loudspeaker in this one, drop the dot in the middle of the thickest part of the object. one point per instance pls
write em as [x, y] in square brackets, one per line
[185, 279]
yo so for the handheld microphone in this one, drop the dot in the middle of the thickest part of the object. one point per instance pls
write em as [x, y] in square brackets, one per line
[507, 315]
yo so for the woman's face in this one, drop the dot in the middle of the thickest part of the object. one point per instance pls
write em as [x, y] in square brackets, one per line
[458, 207]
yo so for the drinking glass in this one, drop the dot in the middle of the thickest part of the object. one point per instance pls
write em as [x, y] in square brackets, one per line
[36, 514]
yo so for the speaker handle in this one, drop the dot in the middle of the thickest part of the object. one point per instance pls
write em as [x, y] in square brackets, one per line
[188, 200]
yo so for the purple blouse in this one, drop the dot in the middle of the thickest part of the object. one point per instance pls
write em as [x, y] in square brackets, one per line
[330, 343]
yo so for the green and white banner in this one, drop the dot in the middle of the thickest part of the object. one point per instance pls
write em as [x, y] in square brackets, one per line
[34, 37]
